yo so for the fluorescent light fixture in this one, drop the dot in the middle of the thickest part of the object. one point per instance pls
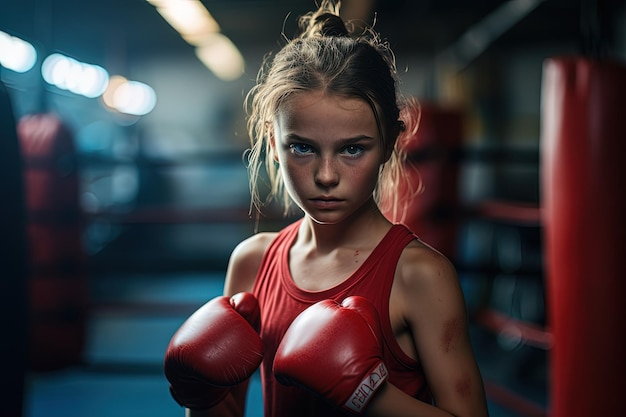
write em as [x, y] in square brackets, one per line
[188, 17]
[195, 25]
[69, 74]
[222, 57]
[129, 97]
[134, 98]
[16, 54]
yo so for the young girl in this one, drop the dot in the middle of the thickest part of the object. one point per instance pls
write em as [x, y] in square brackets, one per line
[325, 121]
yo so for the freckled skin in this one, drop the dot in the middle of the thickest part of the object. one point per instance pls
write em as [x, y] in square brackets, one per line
[452, 330]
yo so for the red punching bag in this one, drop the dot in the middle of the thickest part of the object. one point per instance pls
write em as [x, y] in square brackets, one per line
[54, 230]
[429, 195]
[583, 164]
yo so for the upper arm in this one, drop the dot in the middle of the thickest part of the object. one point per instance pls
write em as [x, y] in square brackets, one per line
[434, 308]
[244, 263]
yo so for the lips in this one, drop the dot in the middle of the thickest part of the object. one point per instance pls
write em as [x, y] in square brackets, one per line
[324, 202]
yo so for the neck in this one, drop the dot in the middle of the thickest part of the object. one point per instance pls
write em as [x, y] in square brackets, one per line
[361, 229]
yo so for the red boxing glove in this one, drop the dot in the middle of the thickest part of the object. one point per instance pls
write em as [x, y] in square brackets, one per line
[216, 348]
[335, 351]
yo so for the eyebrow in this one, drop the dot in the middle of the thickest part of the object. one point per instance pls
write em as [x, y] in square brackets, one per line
[343, 141]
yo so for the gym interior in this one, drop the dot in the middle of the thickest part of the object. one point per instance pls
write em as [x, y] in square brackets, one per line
[128, 194]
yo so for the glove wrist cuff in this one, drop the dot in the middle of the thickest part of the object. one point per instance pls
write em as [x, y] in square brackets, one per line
[360, 398]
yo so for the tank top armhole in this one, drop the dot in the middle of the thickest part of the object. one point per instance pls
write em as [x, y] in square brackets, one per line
[287, 233]
[401, 238]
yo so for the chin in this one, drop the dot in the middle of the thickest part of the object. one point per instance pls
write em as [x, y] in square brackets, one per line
[326, 218]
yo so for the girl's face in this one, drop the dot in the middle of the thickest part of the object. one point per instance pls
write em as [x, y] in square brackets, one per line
[329, 152]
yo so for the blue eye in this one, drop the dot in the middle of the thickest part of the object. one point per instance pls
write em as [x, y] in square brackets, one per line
[353, 150]
[300, 148]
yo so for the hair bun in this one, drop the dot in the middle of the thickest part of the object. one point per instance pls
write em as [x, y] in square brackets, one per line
[330, 25]
[324, 22]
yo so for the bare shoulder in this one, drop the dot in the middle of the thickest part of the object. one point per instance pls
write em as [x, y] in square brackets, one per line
[427, 285]
[245, 261]
[252, 248]
[421, 267]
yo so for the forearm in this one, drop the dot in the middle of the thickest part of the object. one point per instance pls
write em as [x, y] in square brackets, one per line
[390, 401]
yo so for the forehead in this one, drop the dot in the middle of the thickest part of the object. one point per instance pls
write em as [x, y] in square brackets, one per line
[320, 113]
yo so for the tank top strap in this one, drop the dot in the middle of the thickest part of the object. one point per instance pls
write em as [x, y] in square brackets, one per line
[378, 289]
[386, 262]
[375, 278]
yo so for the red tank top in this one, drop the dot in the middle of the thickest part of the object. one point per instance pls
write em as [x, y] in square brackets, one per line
[281, 301]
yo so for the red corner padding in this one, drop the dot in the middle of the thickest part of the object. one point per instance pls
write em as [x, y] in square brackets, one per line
[429, 194]
[583, 164]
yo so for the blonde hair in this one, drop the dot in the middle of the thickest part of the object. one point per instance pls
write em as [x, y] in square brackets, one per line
[327, 56]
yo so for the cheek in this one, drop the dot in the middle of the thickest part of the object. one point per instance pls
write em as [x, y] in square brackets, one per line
[368, 178]
[294, 176]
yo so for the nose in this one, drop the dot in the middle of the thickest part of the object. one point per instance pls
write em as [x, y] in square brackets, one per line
[326, 174]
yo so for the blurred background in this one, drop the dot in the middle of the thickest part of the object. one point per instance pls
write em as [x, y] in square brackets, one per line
[132, 135]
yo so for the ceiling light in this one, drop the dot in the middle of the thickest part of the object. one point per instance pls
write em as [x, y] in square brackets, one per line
[78, 77]
[188, 17]
[129, 97]
[222, 57]
[16, 54]
[195, 25]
